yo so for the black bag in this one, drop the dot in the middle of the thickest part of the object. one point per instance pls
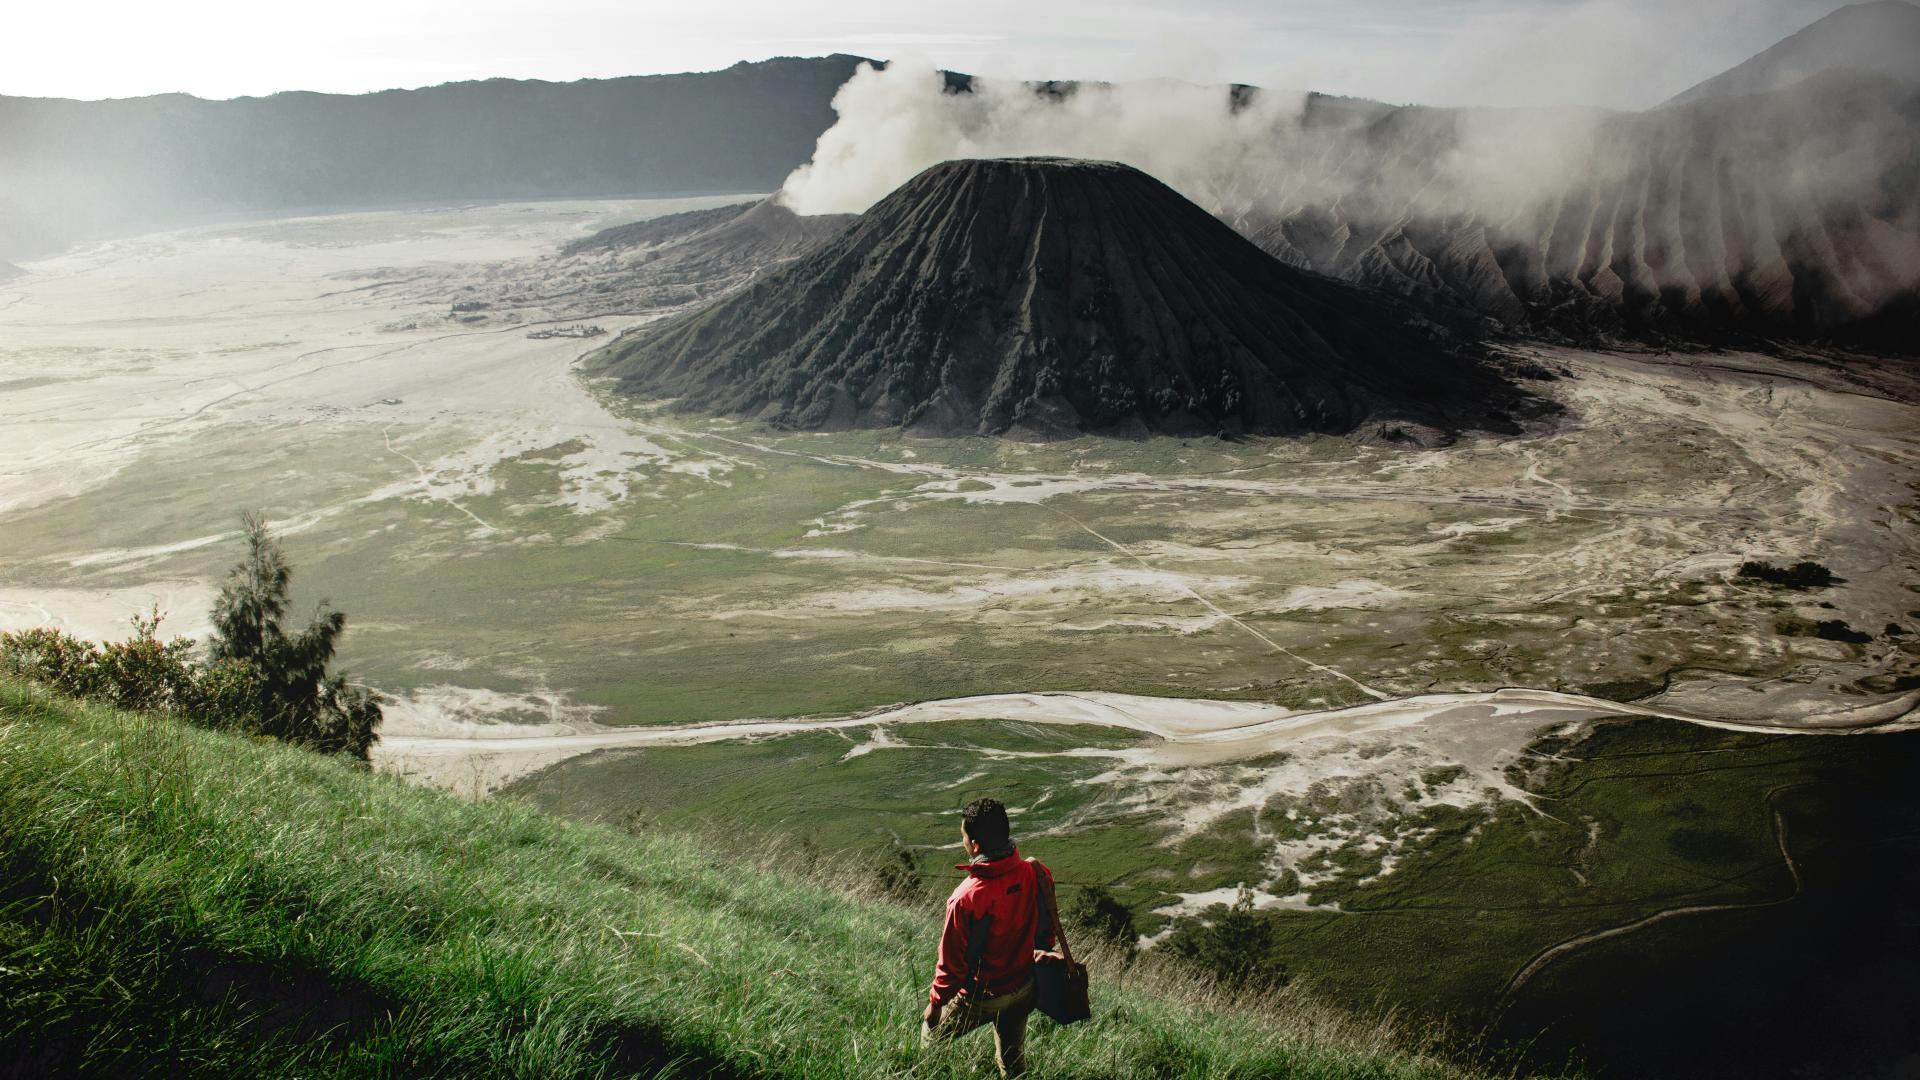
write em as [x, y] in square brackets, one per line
[1060, 991]
[1059, 984]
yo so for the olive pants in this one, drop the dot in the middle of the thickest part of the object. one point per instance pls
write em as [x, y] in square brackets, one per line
[1006, 1012]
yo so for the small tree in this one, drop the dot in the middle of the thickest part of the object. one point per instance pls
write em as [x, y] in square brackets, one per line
[294, 697]
[1235, 944]
[1096, 911]
[898, 874]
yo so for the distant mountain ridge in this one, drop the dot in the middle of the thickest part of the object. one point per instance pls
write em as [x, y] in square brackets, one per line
[1794, 213]
[1751, 210]
[73, 168]
[717, 241]
[1881, 37]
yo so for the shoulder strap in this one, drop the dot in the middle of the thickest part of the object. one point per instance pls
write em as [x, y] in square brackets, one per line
[1048, 914]
[1042, 911]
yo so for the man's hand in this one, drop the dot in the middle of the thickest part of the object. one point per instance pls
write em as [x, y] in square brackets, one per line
[1043, 954]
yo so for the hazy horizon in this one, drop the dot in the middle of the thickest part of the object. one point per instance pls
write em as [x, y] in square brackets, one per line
[1624, 54]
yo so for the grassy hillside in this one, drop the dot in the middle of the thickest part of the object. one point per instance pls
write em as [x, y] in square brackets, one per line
[176, 898]
[1635, 817]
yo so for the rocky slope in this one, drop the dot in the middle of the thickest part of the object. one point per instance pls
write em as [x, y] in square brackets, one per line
[712, 243]
[1789, 214]
[1045, 297]
[646, 266]
[1882, 37]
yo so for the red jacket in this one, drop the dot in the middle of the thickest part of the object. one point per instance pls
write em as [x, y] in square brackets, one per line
[1008, 890]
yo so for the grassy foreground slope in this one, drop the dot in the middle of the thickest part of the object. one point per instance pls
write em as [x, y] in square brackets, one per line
[175, 899]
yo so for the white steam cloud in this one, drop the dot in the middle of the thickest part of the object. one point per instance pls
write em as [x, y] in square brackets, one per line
[1721, 206]
[895, 122]
[1237, 155]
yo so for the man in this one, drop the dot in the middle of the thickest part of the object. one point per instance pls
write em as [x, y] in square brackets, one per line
[993, 935]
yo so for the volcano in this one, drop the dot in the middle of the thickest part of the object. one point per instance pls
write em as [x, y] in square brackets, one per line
[1046, 297]
[1881, 37]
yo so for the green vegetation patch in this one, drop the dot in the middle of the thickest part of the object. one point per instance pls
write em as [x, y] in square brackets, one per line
[806, 579]
[1801, 575]
[170, 886]
[1629, 819]
[1824, 629]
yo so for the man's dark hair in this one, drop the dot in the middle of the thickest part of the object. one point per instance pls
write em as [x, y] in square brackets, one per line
[985, 822]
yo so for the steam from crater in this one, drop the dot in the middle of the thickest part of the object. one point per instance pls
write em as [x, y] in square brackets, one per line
[895, 122]
[1776, 211]
[1234, 152]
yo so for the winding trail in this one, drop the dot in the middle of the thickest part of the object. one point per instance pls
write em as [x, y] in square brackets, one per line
[1187, 730]
[426, 482]
[1554, 952]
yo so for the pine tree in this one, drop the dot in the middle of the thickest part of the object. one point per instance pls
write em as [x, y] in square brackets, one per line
[295, 697]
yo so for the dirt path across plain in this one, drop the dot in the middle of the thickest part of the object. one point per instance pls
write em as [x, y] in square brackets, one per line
[1188, 731]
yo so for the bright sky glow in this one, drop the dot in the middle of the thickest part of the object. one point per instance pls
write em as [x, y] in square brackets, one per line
[1617, 53]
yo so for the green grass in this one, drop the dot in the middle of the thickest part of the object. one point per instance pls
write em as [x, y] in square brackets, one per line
[1634, 817]
[862, 806]
[182, 900]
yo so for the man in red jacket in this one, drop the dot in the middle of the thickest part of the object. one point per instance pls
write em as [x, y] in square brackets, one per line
[992, 936]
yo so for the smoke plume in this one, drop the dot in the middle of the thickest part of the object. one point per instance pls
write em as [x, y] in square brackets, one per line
[895, 122]
[1236, 152]
[1785, 210]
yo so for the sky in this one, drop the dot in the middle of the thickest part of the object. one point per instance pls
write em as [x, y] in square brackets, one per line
[1613, 53]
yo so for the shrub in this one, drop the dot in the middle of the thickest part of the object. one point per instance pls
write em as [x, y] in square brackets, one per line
[1095, 911]
[1826, 630]
[51, 658]
[1838, 630]
[1625, 689]
[1234, 944]
[897, 875]
[1801, 575]
[142, 672]
[258, 678]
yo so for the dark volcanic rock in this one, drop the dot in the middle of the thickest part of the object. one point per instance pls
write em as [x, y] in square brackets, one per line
[1048, 297]
[1786, 215]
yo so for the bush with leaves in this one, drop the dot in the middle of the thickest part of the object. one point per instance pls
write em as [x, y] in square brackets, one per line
[51, 658]
[897, 874]
[1801, 575]
[1235, 944]
[258, 678]
[142, 672]
[1097, 912]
